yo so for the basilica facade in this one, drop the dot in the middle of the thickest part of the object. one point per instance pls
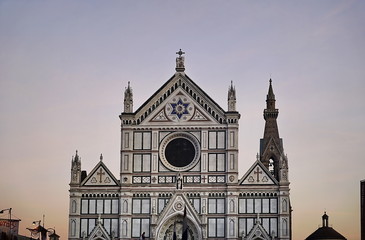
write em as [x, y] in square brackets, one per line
[179, 166]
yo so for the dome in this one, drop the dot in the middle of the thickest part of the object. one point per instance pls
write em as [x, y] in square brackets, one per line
[325, 232]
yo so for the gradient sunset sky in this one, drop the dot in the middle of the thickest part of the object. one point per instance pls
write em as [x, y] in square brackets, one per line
[64, 66]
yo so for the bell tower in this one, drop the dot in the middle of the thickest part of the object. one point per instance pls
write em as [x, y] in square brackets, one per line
[272, 156]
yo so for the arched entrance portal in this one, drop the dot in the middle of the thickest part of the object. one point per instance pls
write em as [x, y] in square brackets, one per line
[179, 229]
[167, 229]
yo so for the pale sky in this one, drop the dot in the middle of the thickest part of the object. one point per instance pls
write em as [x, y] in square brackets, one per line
[64, 66]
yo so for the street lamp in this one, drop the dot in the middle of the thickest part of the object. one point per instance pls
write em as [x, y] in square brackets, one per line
[8, 209]
[39, 222]
[38, 229]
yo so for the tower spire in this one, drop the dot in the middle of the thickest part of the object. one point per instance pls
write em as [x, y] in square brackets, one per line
[270, 94]
[271, 114]
[231, 98]
[128, 99]
[75, 169]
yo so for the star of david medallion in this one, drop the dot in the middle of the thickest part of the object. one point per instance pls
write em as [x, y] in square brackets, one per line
[179, 109]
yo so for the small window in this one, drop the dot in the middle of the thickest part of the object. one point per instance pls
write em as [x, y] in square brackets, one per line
[162, 202]
[141, 206]
[142, 162]
[140, 225]
[196, 203]
[217, 140]
[216, 162]
[142, 140]
[216, 227]
[216, 205]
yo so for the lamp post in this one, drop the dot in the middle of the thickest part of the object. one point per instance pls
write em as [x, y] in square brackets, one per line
[39, 222]
[35, 230]
[38, 229]
[2, 211]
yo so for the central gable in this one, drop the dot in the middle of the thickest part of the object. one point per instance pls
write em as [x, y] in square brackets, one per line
[179, 107]
[179, 100]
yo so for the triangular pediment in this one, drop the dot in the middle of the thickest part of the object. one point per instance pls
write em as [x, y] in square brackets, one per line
[99, 232]
[179, 100]
[258, 233]
[100, 176]
[175, 207]
[258, 174]
[178, 108]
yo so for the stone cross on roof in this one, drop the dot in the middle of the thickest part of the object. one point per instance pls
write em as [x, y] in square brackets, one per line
[180, 67]
[180, 53]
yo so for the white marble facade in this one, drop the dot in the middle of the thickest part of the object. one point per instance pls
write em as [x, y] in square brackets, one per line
[179, 150]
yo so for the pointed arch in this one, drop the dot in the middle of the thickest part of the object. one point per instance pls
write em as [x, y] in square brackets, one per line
[124, 228]
[125, 206]
[284, 226]
[231, 206]
[231, 227]
[73, 227]
[73, 206]
[284, 205]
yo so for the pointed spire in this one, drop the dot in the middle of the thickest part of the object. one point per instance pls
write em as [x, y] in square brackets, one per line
[231, 98]
[75, 169]
[270, 97]
[128, 99]
[270, 112]
[76, 158]
[271, 94]
[101, 157]
[231, 92]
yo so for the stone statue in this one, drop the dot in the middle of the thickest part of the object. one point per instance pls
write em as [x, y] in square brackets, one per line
[180, 62]
[180, 67]
[179, 182]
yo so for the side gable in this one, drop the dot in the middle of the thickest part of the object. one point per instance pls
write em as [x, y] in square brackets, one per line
[258, 232]
[99, 232]
[258, 174]
[100, 176]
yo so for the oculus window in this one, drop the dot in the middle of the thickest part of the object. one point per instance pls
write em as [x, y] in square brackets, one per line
[179, 151]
